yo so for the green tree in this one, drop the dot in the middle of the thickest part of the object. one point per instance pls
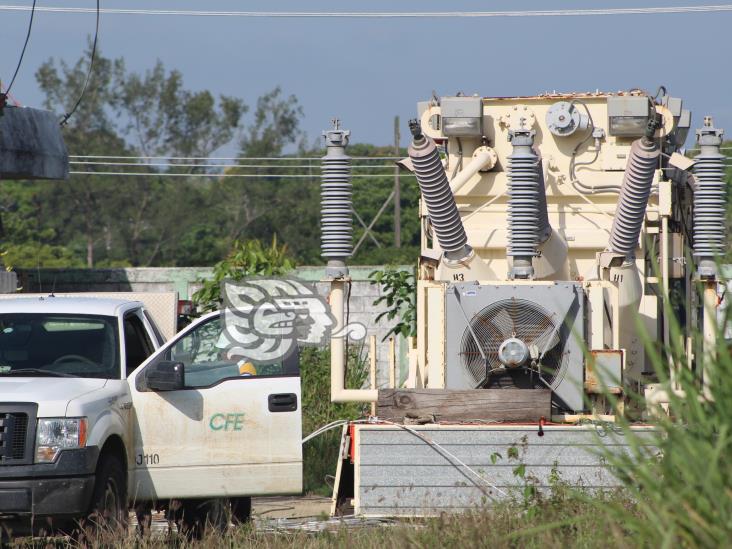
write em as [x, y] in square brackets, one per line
[140, 220]
[249, 258]
[78, 211]
[259, 208]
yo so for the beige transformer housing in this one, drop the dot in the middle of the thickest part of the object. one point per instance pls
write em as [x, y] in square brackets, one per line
[619, 311]
[561, 234]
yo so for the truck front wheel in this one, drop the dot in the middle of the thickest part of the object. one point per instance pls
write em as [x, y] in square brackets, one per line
[108, 511]
[241, 510]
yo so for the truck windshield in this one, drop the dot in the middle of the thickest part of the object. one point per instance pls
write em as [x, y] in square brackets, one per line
[59, 345]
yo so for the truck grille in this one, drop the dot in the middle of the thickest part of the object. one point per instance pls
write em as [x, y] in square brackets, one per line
[17, 431]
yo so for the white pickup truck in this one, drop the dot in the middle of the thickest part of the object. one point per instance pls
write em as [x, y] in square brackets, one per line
[99, 415]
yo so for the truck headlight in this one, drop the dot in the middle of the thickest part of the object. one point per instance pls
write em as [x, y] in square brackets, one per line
[56, 434]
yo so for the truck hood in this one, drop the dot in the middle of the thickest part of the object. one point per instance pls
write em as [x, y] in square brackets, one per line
[52, 394]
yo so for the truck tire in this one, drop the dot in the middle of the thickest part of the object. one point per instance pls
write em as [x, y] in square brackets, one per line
[108, 509]
[241, 510]
[200, 515]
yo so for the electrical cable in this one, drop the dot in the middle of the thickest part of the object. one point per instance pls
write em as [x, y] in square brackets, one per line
[389, 14]
[221, 166]
[227, 175]
[441, 449]
[325, 428]
[274, 158]
[69, 114]
[658, 91]
[22, 52]
[590, 127]
[459, 165]
[578, 185]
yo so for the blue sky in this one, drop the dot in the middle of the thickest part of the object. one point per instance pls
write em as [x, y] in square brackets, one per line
[367, 71]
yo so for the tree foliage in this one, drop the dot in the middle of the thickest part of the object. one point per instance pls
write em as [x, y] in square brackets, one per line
[400, 296]
[250, 258]
[153, 217]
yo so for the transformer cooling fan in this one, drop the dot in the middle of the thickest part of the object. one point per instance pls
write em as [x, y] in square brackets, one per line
[514, 343]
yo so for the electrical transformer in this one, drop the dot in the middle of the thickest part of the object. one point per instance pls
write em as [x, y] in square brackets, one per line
[560, 235]
[548, 225]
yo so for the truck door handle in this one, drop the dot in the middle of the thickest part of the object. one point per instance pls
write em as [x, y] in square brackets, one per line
[282, 402]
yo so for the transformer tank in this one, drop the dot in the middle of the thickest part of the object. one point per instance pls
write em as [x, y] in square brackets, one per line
[553, 227]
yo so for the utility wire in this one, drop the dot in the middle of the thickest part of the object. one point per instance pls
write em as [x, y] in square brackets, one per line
[388, 14]
[229, 175]
[278, 158]
[69, 114]
[224, 166]
[22, 52]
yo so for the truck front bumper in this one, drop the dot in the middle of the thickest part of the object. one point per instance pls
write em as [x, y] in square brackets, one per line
[45, 497]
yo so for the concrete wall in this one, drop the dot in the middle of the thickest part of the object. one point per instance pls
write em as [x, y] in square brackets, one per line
[186, 280]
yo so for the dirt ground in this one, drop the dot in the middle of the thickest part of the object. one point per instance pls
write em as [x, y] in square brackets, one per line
[271, 512]
[291, 507]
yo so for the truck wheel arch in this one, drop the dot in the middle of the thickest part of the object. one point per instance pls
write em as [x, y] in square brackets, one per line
[114, 445]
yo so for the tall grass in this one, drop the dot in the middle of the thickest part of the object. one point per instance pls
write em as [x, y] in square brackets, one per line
[683, 486]
[320, 455]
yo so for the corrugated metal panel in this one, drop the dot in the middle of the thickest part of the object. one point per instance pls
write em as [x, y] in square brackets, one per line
[400, 474]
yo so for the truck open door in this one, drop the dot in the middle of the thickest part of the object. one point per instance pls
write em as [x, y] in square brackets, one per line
[209, 425]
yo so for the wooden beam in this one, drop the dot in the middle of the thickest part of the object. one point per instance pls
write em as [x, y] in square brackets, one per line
[465, 405]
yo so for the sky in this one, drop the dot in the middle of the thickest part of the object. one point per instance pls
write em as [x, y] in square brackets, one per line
[367, 71]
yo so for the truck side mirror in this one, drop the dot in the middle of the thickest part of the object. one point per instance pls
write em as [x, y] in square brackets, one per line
[165, 376]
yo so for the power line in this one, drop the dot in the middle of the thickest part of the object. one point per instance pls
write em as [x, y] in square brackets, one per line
[387, 14]
[228, 175]
[22, 52]
[69, 114]
[230, 158]
[225, 166]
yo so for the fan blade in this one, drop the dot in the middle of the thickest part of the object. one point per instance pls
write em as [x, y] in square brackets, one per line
[548, 339]
[504, 323]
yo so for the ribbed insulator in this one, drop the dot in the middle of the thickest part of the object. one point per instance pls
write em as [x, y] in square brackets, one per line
[633, 201]
[336, 205]
[709, 205]
[438, 197]
[545, 228]
[523, 201]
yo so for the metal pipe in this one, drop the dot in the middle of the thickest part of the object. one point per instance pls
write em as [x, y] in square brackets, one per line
[665, 297]
[338, 391]
[710, 303]
[484, 158]
[392, 363]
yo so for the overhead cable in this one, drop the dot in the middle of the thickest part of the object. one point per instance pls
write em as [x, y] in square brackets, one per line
[315, 166]
[243, 158]
[227, 175]
[69, 114]
[22, 52]
[386, 14]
